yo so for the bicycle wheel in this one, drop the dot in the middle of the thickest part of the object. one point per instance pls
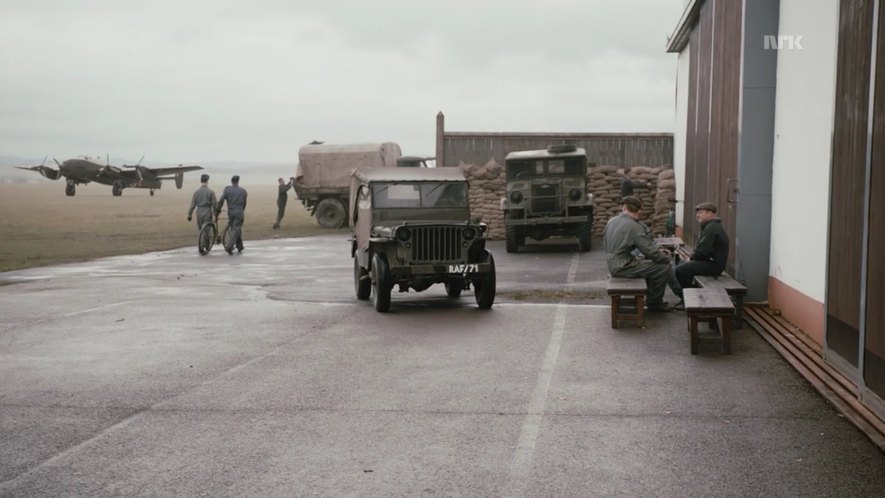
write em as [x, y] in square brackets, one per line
[225, 238]
[206, 238]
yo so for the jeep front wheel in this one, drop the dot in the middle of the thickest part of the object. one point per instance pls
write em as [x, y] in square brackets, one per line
[330, 213]
[484, 286]
[362, 283]
[381, 284]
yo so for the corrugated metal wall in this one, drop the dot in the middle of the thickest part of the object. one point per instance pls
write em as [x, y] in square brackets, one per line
[616, 149]
[713, 114]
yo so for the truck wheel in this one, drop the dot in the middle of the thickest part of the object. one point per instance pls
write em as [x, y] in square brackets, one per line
[584, 236]
[512, 239]
[381, 284]
[363, 286]
[330, 213]
[484, 286]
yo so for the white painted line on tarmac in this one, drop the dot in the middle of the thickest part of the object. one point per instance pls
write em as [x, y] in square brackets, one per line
[521, 466]
[98, 308]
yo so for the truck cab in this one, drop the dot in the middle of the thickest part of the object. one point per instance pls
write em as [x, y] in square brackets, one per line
[547, 195]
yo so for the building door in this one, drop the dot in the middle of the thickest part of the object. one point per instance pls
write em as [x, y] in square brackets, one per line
[874, 323]
[855, 326]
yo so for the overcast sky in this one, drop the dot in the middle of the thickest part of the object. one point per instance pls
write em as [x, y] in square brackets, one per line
[206, 80]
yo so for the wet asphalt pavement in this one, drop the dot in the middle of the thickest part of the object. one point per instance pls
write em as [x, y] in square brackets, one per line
[261, 374]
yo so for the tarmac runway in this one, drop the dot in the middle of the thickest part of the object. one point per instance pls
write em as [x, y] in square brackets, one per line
[261, 374]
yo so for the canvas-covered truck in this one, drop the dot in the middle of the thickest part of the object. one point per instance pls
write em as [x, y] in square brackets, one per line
[322, 178]
[547, 196]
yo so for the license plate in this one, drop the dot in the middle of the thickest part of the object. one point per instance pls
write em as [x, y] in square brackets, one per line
[466, 268]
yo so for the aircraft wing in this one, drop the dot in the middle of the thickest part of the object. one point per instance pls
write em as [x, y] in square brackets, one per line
[172, 171]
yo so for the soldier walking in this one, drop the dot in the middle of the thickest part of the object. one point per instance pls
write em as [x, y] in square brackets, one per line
[235, 196]
[204, 202]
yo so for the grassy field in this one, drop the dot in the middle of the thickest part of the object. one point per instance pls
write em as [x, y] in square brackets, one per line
[42, 226]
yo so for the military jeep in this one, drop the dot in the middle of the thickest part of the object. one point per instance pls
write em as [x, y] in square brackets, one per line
[547, 196]
[412, 229]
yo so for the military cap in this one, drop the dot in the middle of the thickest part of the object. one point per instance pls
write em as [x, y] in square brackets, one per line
[235, 179]
[204, 178]
[633, 202]
[706, 206]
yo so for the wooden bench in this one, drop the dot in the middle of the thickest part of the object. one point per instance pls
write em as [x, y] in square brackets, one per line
[628, 299]
[735, 290]
[713, 306]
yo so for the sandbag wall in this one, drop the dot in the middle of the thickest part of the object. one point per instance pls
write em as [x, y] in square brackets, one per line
[488, 185]
[655, 186]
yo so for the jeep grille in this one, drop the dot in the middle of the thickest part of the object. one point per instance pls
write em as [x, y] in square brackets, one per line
[436, 244]
[545, 199]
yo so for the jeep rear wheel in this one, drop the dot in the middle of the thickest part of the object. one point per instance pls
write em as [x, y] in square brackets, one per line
[330, 213]
[362, 284]
[484, 286]
[381, 284]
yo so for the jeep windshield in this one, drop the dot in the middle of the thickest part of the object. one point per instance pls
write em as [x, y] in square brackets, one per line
[531, 168]
[417, 195]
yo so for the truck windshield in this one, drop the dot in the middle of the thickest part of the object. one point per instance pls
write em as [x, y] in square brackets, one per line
[529, 168]
[420, 195]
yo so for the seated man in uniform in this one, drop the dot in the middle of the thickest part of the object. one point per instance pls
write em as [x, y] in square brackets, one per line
[710, 253]
[622, 235]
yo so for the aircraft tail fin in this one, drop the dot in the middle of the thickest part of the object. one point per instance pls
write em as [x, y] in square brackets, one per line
[52, 174]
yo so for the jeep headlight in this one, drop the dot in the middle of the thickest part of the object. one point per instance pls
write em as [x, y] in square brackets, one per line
[516, 197]
[574, 194]
[403, 234]
[469, 233]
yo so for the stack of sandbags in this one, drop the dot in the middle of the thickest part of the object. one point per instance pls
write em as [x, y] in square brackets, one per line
[487, 187]
[605, 184]
[666, 192]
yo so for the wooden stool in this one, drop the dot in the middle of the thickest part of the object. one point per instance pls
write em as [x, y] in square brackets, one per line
[711, 305]
[628, 294]
[736, 291]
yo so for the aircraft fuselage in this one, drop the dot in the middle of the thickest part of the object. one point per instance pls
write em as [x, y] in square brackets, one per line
[86, 170]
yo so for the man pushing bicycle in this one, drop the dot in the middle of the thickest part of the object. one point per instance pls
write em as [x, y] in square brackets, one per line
[204, 201]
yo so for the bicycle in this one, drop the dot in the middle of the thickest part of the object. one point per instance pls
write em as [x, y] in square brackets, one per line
[207, 236]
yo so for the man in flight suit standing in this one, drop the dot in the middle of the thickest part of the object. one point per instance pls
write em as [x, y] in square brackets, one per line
[236, 212]
[204, 202]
